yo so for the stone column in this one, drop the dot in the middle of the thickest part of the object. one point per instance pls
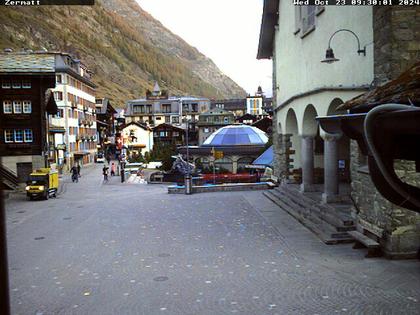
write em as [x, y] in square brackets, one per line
[307, 162]
[331, 177]
[235, 164]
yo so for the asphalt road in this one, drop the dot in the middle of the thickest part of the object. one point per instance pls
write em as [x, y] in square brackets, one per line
[133, 249]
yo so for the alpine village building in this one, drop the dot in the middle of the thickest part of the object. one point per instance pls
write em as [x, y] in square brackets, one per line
[160, 108]
[75, 97]
[331, 165]
[26, 107]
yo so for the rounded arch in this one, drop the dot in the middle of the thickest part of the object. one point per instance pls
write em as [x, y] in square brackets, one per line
[332, 108]
[242, 163]
[309, 123]
[224, 165]
[291, 122]
[292, 130]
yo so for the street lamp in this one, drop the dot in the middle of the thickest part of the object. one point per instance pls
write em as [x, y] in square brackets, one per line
[329, 54]
[187, 175]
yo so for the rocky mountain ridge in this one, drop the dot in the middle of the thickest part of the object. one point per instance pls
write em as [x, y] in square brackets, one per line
[126, 48]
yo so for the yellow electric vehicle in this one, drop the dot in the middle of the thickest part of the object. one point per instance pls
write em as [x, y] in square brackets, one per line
[42, 183]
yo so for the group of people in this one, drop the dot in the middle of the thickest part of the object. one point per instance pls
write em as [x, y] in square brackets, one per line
[105, 170]
[75, 171]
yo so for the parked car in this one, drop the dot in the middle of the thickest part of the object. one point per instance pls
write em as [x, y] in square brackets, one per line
[100, 158]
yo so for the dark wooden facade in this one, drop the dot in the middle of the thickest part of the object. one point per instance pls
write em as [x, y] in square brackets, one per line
[168, 135]
[34, 119]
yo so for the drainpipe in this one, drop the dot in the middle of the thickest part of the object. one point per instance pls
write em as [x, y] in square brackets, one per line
[369, 131]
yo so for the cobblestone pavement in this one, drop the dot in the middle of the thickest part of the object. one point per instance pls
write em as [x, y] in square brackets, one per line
[133, 249]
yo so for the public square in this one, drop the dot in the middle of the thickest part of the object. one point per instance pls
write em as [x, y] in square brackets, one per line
[119, 248]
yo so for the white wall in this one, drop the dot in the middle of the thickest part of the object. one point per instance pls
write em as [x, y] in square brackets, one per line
[298, 59]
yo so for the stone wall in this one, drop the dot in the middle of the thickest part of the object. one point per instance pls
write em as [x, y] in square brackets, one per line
[396, 48]
[397, 40]
[281, 161]
[397, 229]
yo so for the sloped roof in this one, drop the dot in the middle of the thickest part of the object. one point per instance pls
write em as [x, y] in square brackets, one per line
[27, 63]
[145, 127]
[403, 90]
[268, 23]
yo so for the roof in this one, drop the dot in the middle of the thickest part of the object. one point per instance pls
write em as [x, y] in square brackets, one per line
[164, 125]
[104, 106]
[145, 127]
[403, 90]
[268, 23]
[27, 63]
[236, 135]
[43, 62]
[266, 158]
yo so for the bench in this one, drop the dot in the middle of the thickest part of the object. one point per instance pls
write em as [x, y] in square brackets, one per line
[373, 247]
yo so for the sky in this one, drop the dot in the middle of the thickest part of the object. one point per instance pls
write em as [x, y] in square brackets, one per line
[226, 31]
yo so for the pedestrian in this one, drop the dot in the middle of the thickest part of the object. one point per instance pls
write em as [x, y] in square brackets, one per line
[112, 169]
[74, 174]
[78, 169]
[108, 158]
[105, 173]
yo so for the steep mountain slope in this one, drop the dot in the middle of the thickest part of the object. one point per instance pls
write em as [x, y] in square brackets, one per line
[125, 47]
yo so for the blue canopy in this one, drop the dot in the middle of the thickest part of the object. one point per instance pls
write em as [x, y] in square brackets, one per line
[236, 135]
[266, 158]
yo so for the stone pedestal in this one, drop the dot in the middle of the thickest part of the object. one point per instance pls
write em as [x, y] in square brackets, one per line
[331, 177]
[307, 161]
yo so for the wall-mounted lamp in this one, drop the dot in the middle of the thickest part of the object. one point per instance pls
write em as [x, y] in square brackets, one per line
[329, 54]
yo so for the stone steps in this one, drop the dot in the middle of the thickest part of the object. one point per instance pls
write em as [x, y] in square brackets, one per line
[334, 216]
[329, 227]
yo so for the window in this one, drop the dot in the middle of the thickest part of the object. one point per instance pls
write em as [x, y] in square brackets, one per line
[175, 119]
[226, 120]
[17, 107]
[6, 85]
[308, 18]
[206, 130]
[18, 135]
[26, 84]
[16, 84]
[158, 118]
[58, 78]
[149, 109]
[7, 107]
[28, 135]
[175, 134]
[162, 134]
[8, 136]
[166, 108]
[27, 107]
[167, 119]
[58, 96]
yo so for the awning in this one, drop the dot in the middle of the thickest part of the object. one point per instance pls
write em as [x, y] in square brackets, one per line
[81, 153]
[266, 158]
[56, 129]
[136, 145]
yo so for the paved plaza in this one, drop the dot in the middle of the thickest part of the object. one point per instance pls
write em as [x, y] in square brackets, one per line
[133, 249]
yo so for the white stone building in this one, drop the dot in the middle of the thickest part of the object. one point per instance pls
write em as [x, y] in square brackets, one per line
[137, 137]
[75, 97]
[296, 39]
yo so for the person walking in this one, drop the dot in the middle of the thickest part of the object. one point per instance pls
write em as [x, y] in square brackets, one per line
[113, 169]
[74, 174]
[105, 173]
